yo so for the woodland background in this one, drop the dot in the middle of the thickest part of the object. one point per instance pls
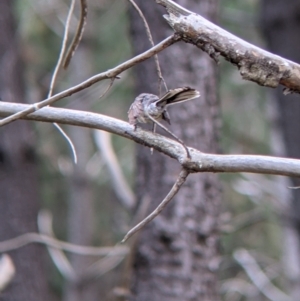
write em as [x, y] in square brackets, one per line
[259, 213]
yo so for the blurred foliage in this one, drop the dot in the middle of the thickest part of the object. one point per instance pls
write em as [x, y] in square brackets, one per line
[251, 200]
[249, 208]
[106, 40]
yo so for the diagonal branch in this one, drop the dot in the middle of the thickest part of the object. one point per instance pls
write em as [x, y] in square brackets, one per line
[199, 162]
[122, 189]
[112, 73]
[179, 182]
[78, 35]
[258, 277]
[254, 63]
[58, 257]
[55, 73]
[148, 31]
[155, 122]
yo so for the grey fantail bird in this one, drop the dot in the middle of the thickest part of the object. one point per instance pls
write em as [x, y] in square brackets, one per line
[146, 105]
[148, 108]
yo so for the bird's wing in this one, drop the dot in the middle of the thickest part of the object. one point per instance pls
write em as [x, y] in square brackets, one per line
[178, 95]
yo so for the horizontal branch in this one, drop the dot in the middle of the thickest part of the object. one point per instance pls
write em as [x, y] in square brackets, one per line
[255, 64]
[28, 238]
[109, 74]
[199, 162]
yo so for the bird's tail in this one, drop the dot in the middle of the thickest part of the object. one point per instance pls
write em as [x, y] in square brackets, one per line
[178, 95]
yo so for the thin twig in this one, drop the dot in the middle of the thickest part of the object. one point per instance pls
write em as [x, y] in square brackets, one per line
[158, 69]
[55, 73]
[69, 140]
[103, 265]
[112, 73]
[63, 48]
[258, 277]
[28, 238]
[78, 35]
[108, 88]
[58, 257]
[180, 180]
[118, 181]
[169, 132]
[294, 187]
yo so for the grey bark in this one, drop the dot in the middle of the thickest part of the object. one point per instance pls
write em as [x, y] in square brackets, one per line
[177, 254]
[19, 200]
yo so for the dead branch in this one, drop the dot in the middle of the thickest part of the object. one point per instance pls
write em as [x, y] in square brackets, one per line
[102, 266]
[199, 162]
[78, 35]
[179, 181]
[254, 63]
[28, 238]
[149, 35]
[55, 73]
[258, 277]
[118, 181]
[58, 257]
[109, 74]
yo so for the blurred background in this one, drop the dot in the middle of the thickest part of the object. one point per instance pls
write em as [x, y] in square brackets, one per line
[259, 216]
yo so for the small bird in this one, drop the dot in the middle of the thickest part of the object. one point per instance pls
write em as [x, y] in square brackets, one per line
[148, 108]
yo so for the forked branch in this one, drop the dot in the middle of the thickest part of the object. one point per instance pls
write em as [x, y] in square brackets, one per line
[254, 63]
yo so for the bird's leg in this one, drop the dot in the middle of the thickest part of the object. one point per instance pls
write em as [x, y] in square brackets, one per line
[168, 131]
[153, 130]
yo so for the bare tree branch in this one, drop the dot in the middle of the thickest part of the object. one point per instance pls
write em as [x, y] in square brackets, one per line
[179, 181]
[258, 277]
[158, 69]
[120, 186]
[199, 162]
[7, 271]
[62, 50]
[111, 73]
[58, 257]
[28, 238]
[254, 63]
[78, 35]
[55, 73]
[232, 286]
[102, 266]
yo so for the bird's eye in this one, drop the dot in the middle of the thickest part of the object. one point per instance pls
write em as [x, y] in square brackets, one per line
[144, 98]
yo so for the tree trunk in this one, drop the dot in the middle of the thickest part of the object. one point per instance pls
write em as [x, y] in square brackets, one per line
[281, 25]
[177, 254]
[18, 172]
